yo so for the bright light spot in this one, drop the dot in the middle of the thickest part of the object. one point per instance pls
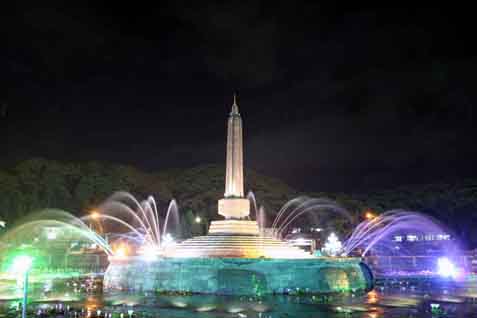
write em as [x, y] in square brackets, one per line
[412, 238]
[436, 309]
[205, 308]
[167, 239]
[445, 237]
[373, 297]
[300, 241]
[2, 223]
[51, 234]
[95, 214]
[47, 286]
[235, 310]
[198, 219]
[179, 304]
[333, 245]
[21, 264]
[446, 268]
[435, 306]
[369, 215]
[149, 252]
[121, 252]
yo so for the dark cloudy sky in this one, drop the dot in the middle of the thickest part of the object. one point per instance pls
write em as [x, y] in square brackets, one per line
[333, 98]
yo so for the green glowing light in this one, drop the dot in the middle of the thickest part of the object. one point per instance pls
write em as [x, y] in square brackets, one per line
[17, 254]
[21, 264]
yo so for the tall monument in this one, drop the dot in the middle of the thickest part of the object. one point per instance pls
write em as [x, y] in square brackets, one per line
[234, 205]
[234, 170]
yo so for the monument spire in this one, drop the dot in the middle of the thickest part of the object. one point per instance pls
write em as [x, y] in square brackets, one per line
[234, 105]
[234, 205]
[234, 172]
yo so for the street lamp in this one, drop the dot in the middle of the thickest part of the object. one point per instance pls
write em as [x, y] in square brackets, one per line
[94, 214]
[369, 215]
[198, 219]
[22, 265]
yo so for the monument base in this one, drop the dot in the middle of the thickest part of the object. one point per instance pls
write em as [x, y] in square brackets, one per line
[240, 276]
[234, 208]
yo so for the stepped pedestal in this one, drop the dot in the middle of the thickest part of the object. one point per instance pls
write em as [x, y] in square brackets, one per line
[235, 246]
[234, 227]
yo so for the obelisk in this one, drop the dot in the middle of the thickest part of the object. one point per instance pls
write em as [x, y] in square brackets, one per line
[234, 205]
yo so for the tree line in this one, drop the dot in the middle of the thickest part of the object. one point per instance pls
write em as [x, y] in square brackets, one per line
[78, 187]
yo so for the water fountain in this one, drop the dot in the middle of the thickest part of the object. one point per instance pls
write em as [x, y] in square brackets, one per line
[383, 236]
[48, 223]
[45, 238]
[233, 258]
[144, 227]
[373, 233]
[297, 207]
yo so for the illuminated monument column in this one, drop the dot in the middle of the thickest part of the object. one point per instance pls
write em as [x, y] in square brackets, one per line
[234, 207]
[234, 170]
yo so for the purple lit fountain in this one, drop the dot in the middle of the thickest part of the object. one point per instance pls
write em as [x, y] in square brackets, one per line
[404, 242]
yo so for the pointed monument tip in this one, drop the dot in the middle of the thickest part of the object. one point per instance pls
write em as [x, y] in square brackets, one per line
[234, 105]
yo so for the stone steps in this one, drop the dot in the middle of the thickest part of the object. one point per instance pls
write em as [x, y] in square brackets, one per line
[234, 227]
[235, 246]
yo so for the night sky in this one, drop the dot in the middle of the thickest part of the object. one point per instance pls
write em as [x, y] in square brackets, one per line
[333, 98]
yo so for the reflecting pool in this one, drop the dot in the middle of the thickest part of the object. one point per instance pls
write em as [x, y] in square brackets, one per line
[82, 296]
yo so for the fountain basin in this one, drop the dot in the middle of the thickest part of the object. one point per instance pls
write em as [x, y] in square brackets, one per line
[239, 276]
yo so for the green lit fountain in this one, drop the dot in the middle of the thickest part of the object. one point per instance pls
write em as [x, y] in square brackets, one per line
[234, 259]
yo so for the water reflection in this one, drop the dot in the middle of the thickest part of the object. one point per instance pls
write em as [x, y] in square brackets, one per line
[82, 298]
[372, 297]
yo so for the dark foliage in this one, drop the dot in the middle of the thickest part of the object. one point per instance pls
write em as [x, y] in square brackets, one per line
[78, 187]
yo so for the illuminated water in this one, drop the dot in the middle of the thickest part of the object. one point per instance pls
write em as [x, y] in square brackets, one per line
[316, 209]
[376, 234]
[141, 220]
[44, 230]
[77, 296]
[51, 232]
[82, 297]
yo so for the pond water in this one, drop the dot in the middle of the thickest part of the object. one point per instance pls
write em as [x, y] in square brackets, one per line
[83, 297]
